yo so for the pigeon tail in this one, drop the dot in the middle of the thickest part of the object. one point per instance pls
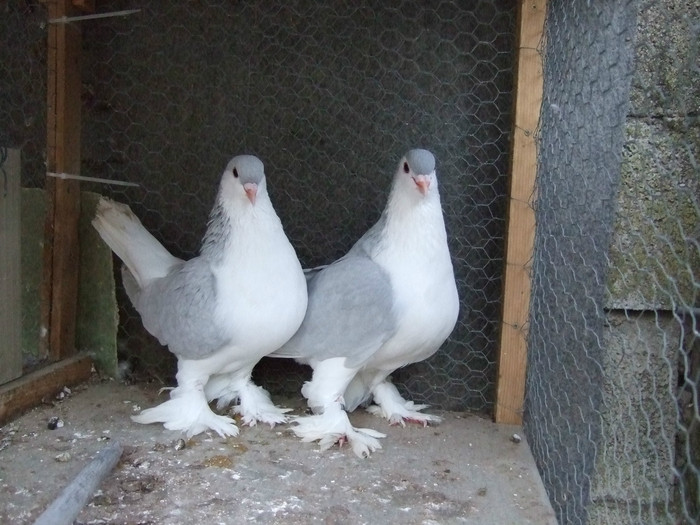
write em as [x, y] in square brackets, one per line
[390, 405]
[143, 255]
[133, 291]
[333, 426]
[187, 410]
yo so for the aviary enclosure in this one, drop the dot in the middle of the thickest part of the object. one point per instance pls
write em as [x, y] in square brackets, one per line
[567, 140]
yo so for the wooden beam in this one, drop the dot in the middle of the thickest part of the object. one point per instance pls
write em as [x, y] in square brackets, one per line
[24, 393]
[520, 220]
[59, 293]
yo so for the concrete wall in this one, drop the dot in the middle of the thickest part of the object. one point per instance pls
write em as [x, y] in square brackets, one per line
[654, 271]
[633, 476]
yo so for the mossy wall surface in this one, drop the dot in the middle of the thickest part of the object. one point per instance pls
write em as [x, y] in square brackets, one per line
[652, 264]
[96, 330]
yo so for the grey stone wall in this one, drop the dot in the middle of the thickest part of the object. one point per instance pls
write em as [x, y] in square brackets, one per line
[654, 262]
[587, 73]
[653, 266]
[633, 479]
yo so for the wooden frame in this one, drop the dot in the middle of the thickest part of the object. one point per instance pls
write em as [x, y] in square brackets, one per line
[59, 288]
[60, 278]
[29, 391]
[520, 221]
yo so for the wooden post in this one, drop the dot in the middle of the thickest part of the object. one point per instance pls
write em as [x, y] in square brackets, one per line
[59, 291]
[520, 221]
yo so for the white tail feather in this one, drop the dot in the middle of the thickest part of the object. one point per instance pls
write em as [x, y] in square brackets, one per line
[143, 255]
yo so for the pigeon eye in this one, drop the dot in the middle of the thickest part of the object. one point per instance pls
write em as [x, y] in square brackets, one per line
[235, 173]
[405, 167]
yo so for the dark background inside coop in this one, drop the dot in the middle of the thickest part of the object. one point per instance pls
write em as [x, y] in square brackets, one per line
[329, 96]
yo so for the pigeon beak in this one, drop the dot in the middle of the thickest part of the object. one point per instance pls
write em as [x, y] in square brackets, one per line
[423, 183]
[251, 190]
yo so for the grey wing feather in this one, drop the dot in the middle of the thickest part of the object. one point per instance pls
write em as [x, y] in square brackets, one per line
[349, 314]
[178, 309]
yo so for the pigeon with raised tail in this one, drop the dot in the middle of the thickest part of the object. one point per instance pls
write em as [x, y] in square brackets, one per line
[241, 298]
[390, 301]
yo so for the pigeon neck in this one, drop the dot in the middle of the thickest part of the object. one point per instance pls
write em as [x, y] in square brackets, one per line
[414, 219]
[235, 226]
[405, 202]
[218, 233]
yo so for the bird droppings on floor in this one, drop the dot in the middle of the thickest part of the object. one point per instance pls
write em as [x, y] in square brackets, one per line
[467, 470]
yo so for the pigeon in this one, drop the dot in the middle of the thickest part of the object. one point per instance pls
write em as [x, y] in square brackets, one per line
[242, 297]
[390, 301]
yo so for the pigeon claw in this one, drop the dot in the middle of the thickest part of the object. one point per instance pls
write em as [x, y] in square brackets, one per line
[400, 414]
[396, 420]
[333, 427]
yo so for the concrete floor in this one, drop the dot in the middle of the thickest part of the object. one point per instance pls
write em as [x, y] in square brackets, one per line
[467, 470]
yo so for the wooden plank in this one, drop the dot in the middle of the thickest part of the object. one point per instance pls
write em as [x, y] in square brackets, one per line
[60, 278]
[27, 392]
[520, 220]
[10, 266]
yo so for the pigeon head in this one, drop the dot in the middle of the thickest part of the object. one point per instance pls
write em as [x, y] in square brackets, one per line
[244, 176]
[416, 172]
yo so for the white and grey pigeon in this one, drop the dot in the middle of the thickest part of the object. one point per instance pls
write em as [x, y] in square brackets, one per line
[243, 297]
[390, 301]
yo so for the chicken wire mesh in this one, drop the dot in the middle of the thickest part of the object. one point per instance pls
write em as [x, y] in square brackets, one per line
[612, 386]
[329, 96]
[23, 124]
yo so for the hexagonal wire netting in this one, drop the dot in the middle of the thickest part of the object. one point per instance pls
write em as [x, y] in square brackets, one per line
[23, 80]
[329, 96]
[613, 357]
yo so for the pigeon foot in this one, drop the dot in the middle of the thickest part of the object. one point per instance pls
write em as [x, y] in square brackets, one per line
[333, 426]
[407, 413]
[187, 411]
[391, 406]
[255, 405]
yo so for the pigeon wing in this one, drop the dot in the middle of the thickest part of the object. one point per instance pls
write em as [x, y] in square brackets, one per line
[179, 310]
[349, 313]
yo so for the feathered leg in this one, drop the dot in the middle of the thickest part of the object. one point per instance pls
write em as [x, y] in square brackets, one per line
[187, 409]
[254, 403]
[330, 423]
[390, 405]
